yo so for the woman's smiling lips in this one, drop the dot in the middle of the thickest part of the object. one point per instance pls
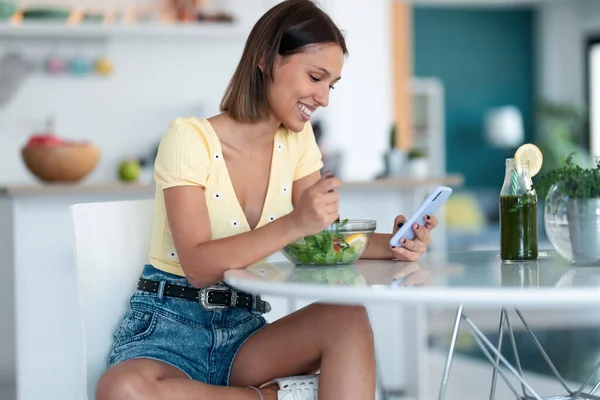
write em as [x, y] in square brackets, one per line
[304, 111]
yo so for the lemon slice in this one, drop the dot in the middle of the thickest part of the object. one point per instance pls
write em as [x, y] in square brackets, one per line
[357, 241]
[530, 152]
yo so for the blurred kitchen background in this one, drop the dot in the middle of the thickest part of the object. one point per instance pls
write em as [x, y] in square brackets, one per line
[433, 91]
[485, 77]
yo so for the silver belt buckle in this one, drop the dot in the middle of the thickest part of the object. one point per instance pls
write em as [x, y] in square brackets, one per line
[203, 297]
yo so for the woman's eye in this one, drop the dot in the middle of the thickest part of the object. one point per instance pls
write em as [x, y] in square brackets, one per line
[315, 79]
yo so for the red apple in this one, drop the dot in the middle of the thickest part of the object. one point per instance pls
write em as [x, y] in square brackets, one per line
[44, 140]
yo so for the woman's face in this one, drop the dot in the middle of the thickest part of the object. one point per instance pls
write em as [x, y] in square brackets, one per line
[302, 83]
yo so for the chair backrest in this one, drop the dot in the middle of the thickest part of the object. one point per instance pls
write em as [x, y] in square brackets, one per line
[111, 246]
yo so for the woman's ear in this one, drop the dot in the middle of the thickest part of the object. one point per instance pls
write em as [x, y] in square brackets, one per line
[261, 65]
[279, 60]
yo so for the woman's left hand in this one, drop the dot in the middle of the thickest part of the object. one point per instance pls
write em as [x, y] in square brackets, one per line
[411, 250]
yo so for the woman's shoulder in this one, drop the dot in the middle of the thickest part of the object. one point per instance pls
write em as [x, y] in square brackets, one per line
[186, 136]
[199, 126]
[190, 131]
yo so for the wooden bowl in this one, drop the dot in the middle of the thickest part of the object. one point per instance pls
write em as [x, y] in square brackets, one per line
[63, 163]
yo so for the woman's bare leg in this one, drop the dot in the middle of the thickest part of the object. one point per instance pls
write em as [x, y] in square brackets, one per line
[336, 339]
[144, 379]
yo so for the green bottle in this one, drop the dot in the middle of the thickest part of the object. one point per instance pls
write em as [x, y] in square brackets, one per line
[518, 214]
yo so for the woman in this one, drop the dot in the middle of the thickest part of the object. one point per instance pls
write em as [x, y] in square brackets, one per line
[230, 191]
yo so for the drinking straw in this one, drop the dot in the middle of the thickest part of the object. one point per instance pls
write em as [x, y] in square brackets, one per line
[515, 185]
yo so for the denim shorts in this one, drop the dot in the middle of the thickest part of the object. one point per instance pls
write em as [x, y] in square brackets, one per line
[201, 343]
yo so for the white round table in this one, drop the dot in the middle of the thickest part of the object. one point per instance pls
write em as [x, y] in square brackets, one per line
[477, 279]
[474, 279]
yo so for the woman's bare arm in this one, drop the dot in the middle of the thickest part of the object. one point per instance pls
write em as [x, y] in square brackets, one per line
[204, 260]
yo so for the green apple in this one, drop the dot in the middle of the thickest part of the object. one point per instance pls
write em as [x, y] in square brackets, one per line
[129, 171]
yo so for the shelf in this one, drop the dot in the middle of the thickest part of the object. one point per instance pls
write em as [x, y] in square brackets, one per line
[49, 30]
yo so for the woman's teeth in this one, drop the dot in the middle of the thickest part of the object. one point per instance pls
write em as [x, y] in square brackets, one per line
[304, 109]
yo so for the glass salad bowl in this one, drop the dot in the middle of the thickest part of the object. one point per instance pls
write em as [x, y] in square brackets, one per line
[342, 243]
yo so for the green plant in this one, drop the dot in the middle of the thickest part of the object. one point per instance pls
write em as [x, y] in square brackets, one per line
[393, 137]
[563, 128]
[572, 180]
[416, 153]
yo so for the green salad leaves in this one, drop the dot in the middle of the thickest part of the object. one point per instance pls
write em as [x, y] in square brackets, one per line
[327, 247]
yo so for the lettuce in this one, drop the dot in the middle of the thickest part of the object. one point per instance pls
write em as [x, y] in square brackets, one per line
[327, 247]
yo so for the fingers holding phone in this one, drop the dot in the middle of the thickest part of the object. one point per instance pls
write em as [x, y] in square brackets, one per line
[430, 222]
[422, 235]
[399, 221]
[422, 219]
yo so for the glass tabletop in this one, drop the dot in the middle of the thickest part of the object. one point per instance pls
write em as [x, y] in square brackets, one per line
[462, 277]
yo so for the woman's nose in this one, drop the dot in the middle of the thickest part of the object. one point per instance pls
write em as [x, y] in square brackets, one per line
[322, 97]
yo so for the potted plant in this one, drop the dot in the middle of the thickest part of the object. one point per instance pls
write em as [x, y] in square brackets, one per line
[418, 164]
[395, 158]
[572, 210]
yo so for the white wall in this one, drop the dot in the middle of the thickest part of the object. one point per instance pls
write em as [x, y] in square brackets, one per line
[359, 116]
[7, 297]
[157, 80]
[563, 27]
[125, 114]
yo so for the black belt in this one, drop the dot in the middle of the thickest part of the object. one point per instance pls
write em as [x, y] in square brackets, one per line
[210, 297]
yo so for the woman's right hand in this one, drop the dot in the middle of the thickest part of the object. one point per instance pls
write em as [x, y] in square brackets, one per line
[318, 206]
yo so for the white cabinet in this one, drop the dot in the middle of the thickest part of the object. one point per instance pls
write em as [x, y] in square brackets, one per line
[429, 123]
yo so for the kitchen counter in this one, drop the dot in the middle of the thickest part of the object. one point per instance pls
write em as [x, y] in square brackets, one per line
[76, 189]
[148, 189]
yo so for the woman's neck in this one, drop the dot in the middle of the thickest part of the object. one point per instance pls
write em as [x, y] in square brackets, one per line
[245, 136]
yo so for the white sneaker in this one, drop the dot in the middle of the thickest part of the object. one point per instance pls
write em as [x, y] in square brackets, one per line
[301, 387]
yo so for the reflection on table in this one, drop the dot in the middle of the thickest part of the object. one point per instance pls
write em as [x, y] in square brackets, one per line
[450, 278]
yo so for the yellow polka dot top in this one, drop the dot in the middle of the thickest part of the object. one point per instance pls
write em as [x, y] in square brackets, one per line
[190, 154]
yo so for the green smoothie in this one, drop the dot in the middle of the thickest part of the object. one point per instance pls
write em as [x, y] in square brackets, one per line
[518, 228]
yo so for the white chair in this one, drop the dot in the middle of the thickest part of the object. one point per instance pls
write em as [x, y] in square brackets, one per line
[112, 240]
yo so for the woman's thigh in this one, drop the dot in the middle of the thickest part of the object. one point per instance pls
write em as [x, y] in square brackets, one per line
[293, 345]
[134, 378]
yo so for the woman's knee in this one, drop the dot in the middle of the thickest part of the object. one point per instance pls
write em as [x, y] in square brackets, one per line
[122, 383]
[358, 317]
[346, 319]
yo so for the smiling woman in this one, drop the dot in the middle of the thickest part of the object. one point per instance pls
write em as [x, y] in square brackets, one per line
[320, 49]
[232, 190]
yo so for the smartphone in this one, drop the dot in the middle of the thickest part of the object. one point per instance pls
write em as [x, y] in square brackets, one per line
[429, 206]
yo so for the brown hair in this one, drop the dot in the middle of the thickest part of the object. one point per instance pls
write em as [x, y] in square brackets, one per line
[284, 30]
